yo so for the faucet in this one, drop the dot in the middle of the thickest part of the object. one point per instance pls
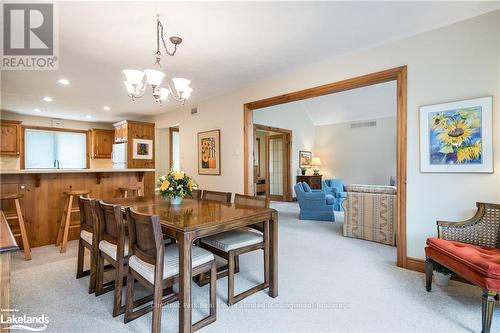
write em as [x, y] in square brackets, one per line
[56, 162]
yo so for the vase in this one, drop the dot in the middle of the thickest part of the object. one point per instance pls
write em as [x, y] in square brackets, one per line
[441, 279]
[175, 200]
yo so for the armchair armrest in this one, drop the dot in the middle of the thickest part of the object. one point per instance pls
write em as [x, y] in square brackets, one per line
[340, 194]
[316, 196]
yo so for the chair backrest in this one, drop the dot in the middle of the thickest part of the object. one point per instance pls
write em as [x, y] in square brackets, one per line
[299, 193]
[87, 218]
[337, 184]
[196, 194]
[217, 196]
[110, 223]
[145, 236]
[248, 200]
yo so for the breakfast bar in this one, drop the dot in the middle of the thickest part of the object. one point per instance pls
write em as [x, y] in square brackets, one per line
[43, 197]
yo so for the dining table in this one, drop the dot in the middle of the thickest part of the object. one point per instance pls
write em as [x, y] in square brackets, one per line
[194, 219]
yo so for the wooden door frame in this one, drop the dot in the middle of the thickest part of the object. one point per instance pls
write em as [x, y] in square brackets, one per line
[398, 74]
[171, 131]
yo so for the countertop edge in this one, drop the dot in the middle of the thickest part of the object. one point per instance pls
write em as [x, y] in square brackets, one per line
[48, 171]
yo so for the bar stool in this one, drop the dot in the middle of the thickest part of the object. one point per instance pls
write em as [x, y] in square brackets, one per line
[65, 225]
[124, 191]
[19, 217]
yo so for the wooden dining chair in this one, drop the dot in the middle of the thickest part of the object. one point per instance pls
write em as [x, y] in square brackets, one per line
[156, 267]
[231, 244]
[113, 247]
[217, 196]
[88, 228]
[196, 194]
[252, 201]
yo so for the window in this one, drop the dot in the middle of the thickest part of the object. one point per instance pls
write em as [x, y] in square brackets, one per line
[45, 149]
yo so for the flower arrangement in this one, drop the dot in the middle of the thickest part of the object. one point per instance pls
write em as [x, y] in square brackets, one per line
[176, 185]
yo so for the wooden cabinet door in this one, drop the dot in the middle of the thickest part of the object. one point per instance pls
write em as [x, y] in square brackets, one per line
[121, 133]
[102, 143]
[10, 138]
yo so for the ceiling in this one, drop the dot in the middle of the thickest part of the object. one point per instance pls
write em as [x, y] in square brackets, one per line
[371, 102]
[226, 45]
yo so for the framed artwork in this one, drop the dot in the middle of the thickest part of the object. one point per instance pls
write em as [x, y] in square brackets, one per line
[457, 136]
[142, 149]
[209, 153]
[305, 158]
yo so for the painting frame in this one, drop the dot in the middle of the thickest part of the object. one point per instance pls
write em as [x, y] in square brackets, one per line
[142, 149]
[304, 156]
[449, 130]
[209, 153]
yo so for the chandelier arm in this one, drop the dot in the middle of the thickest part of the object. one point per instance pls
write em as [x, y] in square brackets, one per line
[159, 31]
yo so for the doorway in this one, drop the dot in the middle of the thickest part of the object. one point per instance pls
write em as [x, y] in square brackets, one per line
[174, 148]
[398, 74]
[272, 154]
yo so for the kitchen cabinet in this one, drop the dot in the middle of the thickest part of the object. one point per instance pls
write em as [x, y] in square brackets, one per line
[10, 139]
[102, 143]
[121, 131]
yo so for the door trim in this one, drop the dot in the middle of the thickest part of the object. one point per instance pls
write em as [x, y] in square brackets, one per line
[398, 74]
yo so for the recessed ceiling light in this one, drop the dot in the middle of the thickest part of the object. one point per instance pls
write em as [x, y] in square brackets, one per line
[48, 99]
[37, 110]
[64, 82]
[88, 116]
[106, 108]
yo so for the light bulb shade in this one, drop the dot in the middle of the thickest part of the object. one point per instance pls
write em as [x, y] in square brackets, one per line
[187, 93]
[181, 85]
[154, 77]
[133, 76]
[130, 87]
[164, 92]
[315, 161]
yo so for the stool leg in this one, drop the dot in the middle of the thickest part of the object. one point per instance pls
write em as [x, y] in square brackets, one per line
[61, 223]
[64, 241]
[125, 193]
[139, 192]
[24, 235]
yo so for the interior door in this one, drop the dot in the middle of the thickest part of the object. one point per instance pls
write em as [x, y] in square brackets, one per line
[277, 167]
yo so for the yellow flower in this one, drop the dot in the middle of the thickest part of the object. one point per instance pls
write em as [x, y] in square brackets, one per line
[178, 175]
[164, 185]
[456, 133]
[469, 153]
[438, 121]
[190, 185]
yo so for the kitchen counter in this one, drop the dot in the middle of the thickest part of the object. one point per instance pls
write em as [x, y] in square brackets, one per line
[37, 171]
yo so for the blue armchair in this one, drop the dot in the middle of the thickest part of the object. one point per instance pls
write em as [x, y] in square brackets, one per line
[314, 204]
[336, 188]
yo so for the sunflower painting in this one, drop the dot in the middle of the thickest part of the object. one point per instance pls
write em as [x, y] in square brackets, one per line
[454, 136]
[209, 153]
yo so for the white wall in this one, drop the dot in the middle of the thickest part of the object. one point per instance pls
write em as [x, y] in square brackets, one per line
[451, 63]
[13, 162]
[292, 117]
[365, 155]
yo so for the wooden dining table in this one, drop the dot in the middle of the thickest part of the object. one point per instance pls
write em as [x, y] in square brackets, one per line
[194, 219]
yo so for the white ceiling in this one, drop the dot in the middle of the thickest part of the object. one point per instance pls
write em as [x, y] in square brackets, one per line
[371, 102]
[226, 45]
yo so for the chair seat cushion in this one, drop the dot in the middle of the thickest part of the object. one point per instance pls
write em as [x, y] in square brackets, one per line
[110, 248]
[330, 200]
[170, 262]
[233, 239]
[86, 236]
[484, 260]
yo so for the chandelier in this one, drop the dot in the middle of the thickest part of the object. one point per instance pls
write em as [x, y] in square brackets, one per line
[136, 86]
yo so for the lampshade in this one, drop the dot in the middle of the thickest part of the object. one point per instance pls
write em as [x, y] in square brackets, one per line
[154, 77]
[130, 87]
[315, 161]
[164, 92]
[187, 92]
[181, 85]
[133, 76]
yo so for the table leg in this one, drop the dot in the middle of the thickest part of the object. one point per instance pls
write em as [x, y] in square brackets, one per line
[185, 284]
[273, 255]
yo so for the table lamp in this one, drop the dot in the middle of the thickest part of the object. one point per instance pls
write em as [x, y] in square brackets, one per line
[315, 163]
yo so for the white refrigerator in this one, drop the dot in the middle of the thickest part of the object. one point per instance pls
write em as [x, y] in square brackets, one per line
[119, 155]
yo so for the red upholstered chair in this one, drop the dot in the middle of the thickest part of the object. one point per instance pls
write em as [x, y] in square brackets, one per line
[471, 249]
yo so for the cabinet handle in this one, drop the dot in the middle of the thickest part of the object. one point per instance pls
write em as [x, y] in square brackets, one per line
[17, 153]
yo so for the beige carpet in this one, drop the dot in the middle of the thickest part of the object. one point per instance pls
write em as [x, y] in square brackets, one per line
[327, 283]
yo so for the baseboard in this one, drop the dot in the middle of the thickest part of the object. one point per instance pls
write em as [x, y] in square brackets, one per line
[415, 264]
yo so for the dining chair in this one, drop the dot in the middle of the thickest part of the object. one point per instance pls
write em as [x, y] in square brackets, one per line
[253, 201]
[113, 247]
[156, 267]
[217, 196]
[231, 244]
[88, 228]
[196, 194]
